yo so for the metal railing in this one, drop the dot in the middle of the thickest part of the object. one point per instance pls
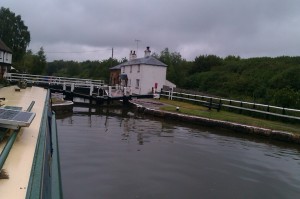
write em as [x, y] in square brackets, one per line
[52, 79]
[72, 83]
[235, 104]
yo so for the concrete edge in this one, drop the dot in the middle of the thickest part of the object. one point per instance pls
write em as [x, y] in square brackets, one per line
[236, 127]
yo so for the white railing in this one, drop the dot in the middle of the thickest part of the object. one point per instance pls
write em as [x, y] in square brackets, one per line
[235, 104]
[92, 85]
[52, 79]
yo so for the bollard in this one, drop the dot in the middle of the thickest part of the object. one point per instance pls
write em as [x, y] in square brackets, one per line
[91, 89]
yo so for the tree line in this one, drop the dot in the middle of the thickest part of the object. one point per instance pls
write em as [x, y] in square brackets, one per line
[274, 81]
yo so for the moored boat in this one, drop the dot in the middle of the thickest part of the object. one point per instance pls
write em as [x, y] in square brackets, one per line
[29, 157]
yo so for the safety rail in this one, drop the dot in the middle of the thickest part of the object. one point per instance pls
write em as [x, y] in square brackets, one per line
[235, 104]
[52, 79]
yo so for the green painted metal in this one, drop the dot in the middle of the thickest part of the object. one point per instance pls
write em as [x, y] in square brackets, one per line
[30, 106]
[56, 186]
[35, 185]
[7, 148]
[45, 180]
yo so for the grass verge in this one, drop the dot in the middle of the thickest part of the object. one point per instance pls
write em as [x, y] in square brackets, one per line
[196, 110]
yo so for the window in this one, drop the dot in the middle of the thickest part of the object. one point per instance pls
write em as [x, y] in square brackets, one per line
[129, 82]
[137, 85]
[123, 67]
[0, 55]
[139, 68]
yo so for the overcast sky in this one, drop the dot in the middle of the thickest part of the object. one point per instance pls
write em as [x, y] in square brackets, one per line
[88, 29]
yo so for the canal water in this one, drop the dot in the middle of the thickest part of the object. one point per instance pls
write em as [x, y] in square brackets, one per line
[116, 153]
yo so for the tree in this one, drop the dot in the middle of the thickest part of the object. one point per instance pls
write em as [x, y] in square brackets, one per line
[14, 33]
[39, 63]
[33, 63]
[27, 62]
[204, 63]
[177, 67]
[287, 97]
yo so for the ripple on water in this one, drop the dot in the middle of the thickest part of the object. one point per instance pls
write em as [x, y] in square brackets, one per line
[111, 156]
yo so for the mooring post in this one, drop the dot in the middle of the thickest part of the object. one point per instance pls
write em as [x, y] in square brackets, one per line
[91, 89]
[109, 91]
[72, 87]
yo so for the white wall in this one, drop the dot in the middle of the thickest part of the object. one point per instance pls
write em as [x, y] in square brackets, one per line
[148, 76]
[5, 57]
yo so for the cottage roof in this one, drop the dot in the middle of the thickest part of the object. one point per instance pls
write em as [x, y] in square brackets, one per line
[117, 67]
[3, 47]
[149, 60]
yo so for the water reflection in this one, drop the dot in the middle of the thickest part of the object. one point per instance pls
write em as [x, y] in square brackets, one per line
[127, 155]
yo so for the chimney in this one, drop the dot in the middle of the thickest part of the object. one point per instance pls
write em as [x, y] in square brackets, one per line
[134, 56]
[147, 52]
[130, 55]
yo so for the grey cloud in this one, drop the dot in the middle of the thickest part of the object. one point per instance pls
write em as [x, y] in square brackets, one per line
[222, 27]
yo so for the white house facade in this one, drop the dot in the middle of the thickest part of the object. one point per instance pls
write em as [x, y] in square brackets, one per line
[5, 58]
[143, 75]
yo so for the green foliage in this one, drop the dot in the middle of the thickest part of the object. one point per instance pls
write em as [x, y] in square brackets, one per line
[14, 33]
[290, 76]
[86, 69]
[39, 63]
[274, 81]
[204, 63]
[177, 69]
[267, 80]
[33, 63]
[287, 97]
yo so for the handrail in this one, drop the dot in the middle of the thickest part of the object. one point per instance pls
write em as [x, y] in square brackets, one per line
[51, 79]
[236, 101]
[230, 104]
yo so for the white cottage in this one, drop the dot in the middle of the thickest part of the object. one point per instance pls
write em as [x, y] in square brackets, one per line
[143, 75]
[5, 58]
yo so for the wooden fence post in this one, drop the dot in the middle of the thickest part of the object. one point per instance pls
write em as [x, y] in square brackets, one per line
[210, 104]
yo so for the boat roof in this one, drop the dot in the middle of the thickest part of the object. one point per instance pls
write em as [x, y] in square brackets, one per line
[20, 159]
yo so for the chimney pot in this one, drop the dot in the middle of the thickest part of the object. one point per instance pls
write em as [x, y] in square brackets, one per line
[147, 51]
